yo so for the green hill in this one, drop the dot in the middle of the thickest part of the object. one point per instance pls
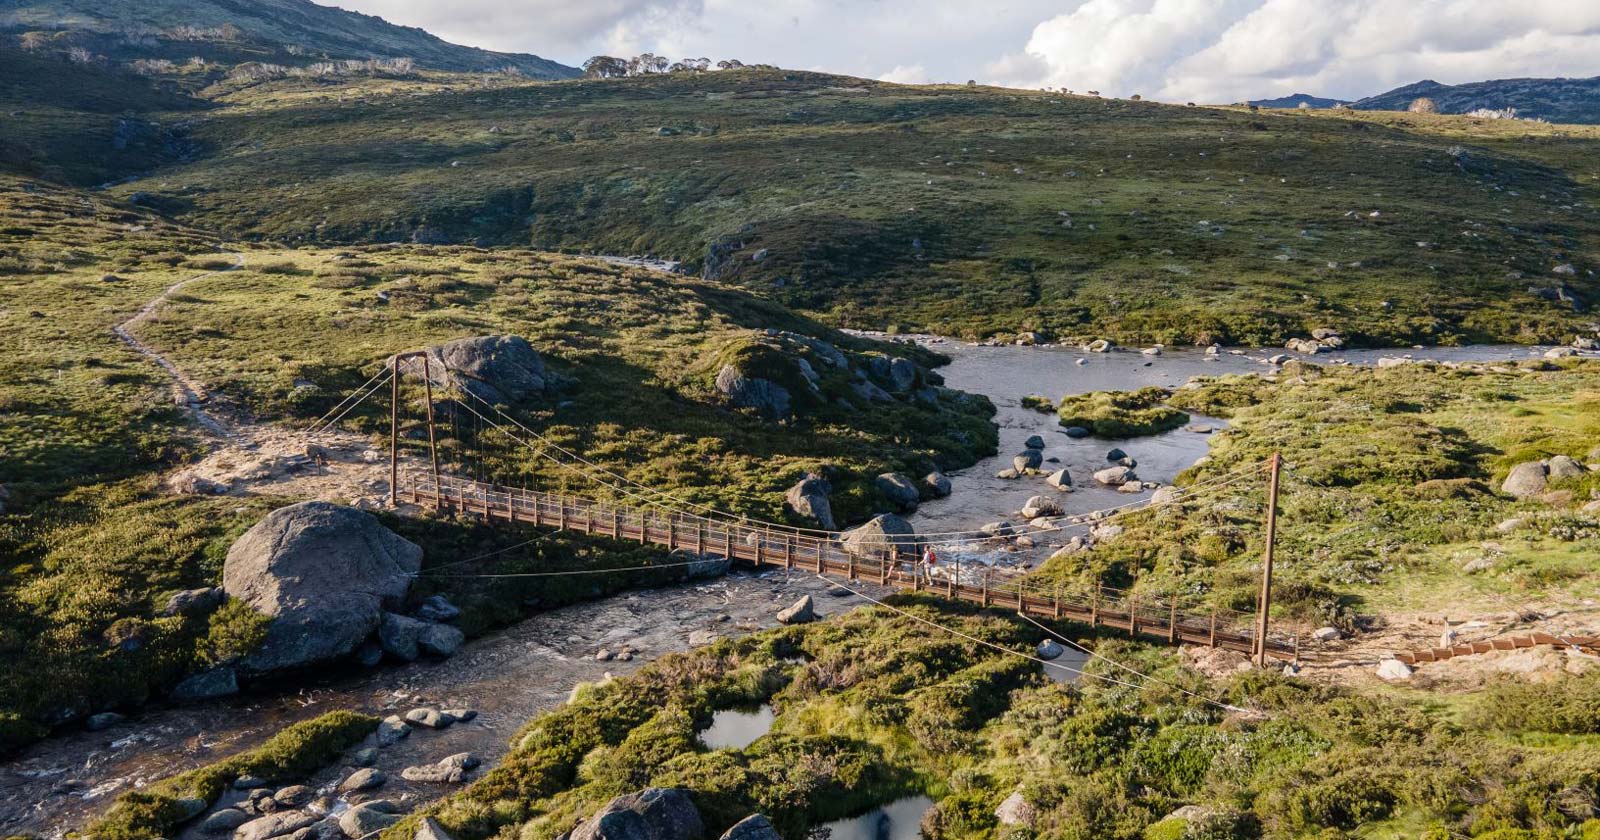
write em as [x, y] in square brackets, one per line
[965, 210]
[291, 32]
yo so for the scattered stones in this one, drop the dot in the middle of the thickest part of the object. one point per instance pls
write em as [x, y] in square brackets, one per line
[1049, 649]
[1393, 670]
[429, 718]
[368, 818]
[1115, 476]
[391, 731]
[799, 612]
[1041, 506]
[650, 814]
[364, 779]
[226, 819]
[999, 530]
[273, 825]
[448, 770]
[323, 573]
[1060, 480]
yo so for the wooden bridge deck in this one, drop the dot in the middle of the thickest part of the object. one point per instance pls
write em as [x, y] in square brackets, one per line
[821, 553]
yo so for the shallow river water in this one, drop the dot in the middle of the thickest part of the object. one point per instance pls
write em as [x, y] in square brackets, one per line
[532, 666]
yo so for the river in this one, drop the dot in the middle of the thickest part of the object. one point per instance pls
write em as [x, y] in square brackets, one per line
[513, 675]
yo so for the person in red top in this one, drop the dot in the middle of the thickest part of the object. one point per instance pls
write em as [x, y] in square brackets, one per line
[929, 560]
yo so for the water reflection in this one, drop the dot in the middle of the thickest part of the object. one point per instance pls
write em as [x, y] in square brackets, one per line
[737, 728]
[1065, 668]
[899, 820]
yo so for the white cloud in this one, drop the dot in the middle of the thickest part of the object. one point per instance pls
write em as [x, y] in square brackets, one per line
[1175, 50]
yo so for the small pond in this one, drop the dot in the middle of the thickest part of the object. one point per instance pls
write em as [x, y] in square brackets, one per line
[899, 820]
[736, 728]
[1064, 668]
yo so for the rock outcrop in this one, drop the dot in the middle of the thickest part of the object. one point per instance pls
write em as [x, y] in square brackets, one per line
[324, 574]
[900, 490]
[650, 814]
[501, 369]
[808, 498]
[770, 399]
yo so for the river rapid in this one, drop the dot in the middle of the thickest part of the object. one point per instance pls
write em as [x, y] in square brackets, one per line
[513, 675]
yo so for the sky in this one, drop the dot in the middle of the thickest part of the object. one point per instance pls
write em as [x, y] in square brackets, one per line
[1208, 51]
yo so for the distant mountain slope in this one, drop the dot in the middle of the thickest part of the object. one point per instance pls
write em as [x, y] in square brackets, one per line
[1293, 100]
[1556, 100]
[287, 31]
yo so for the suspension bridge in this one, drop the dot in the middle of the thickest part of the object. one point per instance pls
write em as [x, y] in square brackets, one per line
[651, 516]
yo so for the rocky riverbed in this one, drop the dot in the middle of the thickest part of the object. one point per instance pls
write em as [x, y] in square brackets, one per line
[506, 678]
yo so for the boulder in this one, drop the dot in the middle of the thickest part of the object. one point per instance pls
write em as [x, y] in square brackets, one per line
[1076, 432]
[364, 779]
[1001, 530]
[1015, 810]
[438, 609]
[430, 829]
[429, 718]
[1134, 486]
[880, 535]
[194, 601]
[1166, 495]
[1116, 455]
[441, 640]
[500, 369]
[938, 484]
[451, 769]
[1100, 345]
[273, 825]
[753, 827]
[102, 721]
[870, 392]
[1560, 352]
[401, 636]
[226, 819]
[1060, 480]
[206, 685]
[1115, 476]
[770, 399]
[1034, 442]
[799, 612]
[368, 818]
[900, 490]
[390, 731]
[1394, 670]
[902, 374]
[650, 814]
[1041, 506]
[1049, 649]
[1327, 634]
[324, 574]
[1563, 466]
[1027, 460]
[1008, 475]
[1526, 480]
[293, 796]
[808, 498]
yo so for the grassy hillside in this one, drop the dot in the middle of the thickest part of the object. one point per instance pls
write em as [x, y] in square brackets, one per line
[90, 545]
[290, 32]
[964, 210]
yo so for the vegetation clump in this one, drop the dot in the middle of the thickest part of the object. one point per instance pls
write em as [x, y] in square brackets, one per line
[1121, 414]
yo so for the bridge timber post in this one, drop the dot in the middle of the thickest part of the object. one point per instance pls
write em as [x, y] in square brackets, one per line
[1265, 605]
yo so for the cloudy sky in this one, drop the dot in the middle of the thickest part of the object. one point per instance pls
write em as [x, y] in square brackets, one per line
[1174, 50]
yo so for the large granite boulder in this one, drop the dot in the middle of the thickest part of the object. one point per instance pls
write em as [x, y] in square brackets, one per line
[500, 369]
[1526, 480]
[881, 534]
[650, 814]
[770, 399]
[753, 827]
[324, 574]
[899, 489]
[808, 498]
